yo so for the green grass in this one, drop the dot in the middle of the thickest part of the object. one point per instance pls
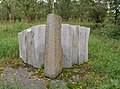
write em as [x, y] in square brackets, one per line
[101, 72]
[9, 38]
[104, 54]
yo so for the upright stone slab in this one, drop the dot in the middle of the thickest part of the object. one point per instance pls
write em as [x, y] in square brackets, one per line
[53, 49]
[66, 40]
[39, 44]
[30, 51]
[74, 41]
[87, 32]
[81, 45]
[22, 45]
[75, 44]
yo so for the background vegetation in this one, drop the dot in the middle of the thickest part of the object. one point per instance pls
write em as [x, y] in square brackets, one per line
[82, 10]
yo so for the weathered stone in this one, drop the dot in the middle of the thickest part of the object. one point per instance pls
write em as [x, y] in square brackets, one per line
[76, 77]
[56, 84]
[30, 51]
[39, 43]
[75, 44]
[22, 45]
[53, 49]
[83, 44]
[74, 41]
[87, 32]
[23, 78]
[66, 41]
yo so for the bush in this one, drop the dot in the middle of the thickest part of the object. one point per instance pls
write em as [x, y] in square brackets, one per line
[111, 31]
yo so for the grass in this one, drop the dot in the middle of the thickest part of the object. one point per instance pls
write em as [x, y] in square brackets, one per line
[101, 72]
[104, 54]
[9, 38]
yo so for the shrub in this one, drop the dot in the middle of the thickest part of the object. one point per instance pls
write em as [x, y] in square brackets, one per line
[111, 31]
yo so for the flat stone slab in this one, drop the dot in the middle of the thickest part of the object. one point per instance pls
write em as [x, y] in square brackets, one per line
[75, 44]
[39, 44]
[66, 41]
[83, 44]
[23, 78]
[30, 51]
[58, 84]
[22, 45]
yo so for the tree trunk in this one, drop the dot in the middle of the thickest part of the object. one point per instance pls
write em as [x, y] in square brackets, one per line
[116, 16]
[28, 19]
[49, 6]
[10, 18]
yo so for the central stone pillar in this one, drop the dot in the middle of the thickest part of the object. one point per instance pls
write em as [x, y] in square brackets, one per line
[53, 48]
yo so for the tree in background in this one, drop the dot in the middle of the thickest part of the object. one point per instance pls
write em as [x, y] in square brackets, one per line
[82, 10]
[115, 10]
[63, 8]
[28, 8]
[7, 7]
[98, 11]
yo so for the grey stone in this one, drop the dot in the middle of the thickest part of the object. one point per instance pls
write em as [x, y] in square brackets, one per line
[66, 41]
[58, 84]
[75, 44]
[74, 41]
[22, 45]
[39, 44]
[81, 45]
[22, 78]
[76, 77]
[30, 51]
[87, 32]
[53, 48]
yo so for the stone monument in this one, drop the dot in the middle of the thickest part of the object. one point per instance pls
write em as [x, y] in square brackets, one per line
[53, 48]
[55, 45]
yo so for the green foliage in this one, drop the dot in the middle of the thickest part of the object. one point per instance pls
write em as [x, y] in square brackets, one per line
[70, 86]
[115, 10]
[9, 39]
[111, 31]
[82, 10]
[98, 12]
[104, 54]
[9, 48]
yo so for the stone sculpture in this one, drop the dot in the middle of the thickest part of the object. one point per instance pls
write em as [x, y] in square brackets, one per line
[53, 49]
[54, 45]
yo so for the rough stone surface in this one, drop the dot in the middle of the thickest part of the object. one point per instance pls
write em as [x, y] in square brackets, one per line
[22, 78]
[53, 49]
[66, 41]
[56, 84]
[30, 51]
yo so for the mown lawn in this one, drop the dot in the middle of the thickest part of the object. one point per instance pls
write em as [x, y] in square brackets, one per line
[101, 72]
